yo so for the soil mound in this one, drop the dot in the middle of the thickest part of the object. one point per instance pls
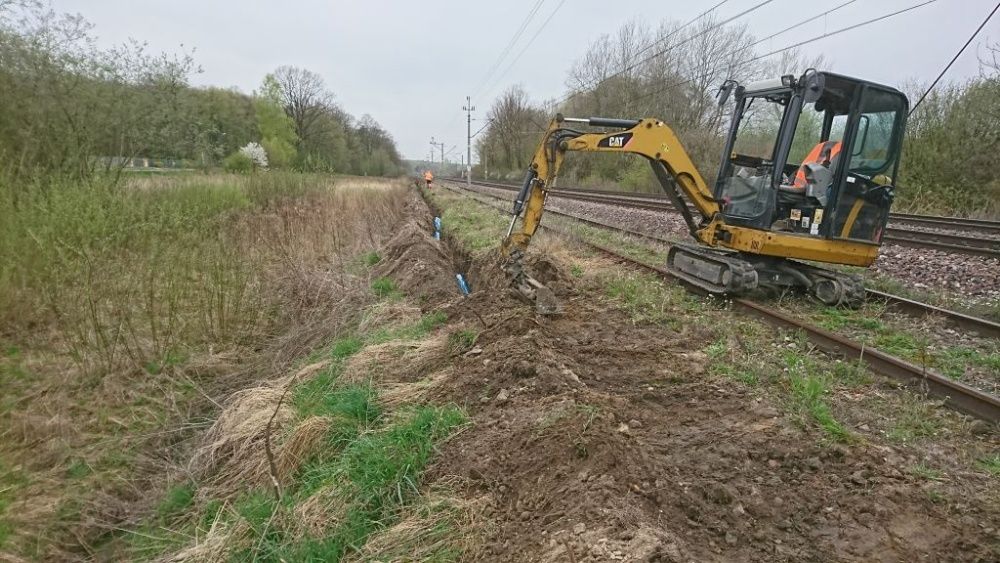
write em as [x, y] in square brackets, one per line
[608, 440]
[421, 265]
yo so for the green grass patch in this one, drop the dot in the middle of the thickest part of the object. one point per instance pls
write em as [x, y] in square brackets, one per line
[462, 341]
[615, 241]
[838, 318]
[808, 386]
[375, 475]
[10, 481]
[953, 361]
[647, 298]
[915, 420]
[477, 227]
[924, 471]
[78, 469]
[386, 288]
[990, 464]
[349, 405]
[346, 347]
[415, 331]
[370, 258]
[178, 499]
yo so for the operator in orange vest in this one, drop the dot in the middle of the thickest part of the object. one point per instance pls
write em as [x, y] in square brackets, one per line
[823, 153]
[429, 178]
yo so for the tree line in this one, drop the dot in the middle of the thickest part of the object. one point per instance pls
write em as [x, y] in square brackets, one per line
[67, 106]
[673, 71]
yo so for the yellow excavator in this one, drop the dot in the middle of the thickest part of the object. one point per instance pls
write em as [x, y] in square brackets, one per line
[806, 175]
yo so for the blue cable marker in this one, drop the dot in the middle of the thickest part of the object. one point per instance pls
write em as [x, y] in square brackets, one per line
[462, 286]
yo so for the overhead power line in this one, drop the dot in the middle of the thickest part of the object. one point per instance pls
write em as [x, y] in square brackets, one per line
[665, 50]
[805, 21]
[526, 46]
[510, 44]
[792, 46]
[681, 28]
[955, 58]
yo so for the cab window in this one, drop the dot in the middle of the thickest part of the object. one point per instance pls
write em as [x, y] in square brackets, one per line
[874, 141]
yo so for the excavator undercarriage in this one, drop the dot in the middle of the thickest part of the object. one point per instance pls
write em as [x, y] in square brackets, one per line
[735, 274]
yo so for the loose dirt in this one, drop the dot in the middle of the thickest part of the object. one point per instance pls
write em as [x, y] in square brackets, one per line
[595, 438]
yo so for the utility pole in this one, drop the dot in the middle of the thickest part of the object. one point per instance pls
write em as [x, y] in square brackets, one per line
[441, 146]
[469, 108]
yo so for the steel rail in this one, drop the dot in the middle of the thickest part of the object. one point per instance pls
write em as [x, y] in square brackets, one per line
[958, 395]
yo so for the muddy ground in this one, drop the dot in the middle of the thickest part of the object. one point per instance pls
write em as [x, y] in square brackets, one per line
[597, 438]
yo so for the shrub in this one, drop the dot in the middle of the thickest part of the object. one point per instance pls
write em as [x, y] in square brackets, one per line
[238, 163]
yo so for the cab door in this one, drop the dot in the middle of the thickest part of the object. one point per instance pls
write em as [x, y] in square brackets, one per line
[864, 182]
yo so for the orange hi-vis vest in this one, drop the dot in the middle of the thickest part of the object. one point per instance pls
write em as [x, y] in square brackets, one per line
[823, 153]
[428, 176]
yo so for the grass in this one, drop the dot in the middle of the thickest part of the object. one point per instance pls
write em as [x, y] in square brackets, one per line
[462, 341]
[152, 288]
[369, 467]
[371, 258]
[914, 421]
[990, 464]
[476, 227]
[415, 331]
[647, 298]
[374, 476]
[952, 361]
[808, 397]
[177, 500]
[10, 481]
[386, 288]
[926, 472]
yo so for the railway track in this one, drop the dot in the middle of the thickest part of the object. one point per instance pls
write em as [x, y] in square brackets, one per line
[958, 395]
[945, 242]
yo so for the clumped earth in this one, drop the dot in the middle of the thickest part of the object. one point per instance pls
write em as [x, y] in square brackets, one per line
[607, 440]
[596, 438]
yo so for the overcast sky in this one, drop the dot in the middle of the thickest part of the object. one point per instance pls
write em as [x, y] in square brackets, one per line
[410, 64]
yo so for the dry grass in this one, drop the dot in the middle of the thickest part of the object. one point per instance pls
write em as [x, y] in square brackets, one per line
[305, 440]
[216, 546]
[434, 527]
[232, 457]
[126, 317]
[401, 361]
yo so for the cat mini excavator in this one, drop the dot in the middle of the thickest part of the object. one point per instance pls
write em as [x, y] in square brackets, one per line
[806, 175]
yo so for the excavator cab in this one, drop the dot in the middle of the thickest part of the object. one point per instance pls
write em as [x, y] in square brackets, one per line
[813, 156]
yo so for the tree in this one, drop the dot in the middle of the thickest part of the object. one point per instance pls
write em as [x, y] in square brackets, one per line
[304, 97]
[277, 130]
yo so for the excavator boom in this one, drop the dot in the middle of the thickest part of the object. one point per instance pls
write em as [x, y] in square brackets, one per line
[650, 138]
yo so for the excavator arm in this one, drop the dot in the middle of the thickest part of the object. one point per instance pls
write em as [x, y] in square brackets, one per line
[650, 138]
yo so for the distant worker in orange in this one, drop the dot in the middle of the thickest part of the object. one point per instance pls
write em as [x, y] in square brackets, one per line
[429, 178]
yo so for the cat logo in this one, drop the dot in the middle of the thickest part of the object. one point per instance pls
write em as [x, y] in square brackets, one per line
[618, 141]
